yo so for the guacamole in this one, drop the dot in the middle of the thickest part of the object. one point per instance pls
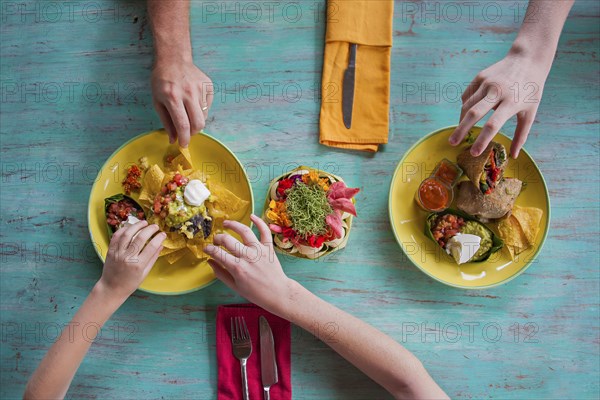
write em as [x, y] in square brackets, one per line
[179, 211]
[475, 228]
[442, 226]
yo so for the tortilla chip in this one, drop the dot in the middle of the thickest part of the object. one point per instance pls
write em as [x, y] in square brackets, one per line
[514, 239]
[175, 256]
[196, 246]
[166, 251]
[225, 204]
[174, 241]
[529, 219]
[196, 175]
[185, 152]
[153, 180]
[509, 247]
[181, 162]
[145, 198]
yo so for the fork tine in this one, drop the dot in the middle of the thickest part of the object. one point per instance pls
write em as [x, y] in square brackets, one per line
[238, 330]
[232, 331]
[246, 333]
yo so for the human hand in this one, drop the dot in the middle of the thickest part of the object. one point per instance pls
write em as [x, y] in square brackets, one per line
[128, 262]
[252, 268]
[512, 86]
[182, 96]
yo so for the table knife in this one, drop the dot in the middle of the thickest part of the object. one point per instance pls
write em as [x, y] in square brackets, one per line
[268, 362]
[348, 87]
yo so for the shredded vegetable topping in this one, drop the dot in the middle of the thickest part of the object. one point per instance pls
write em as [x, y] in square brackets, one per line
[308, 207]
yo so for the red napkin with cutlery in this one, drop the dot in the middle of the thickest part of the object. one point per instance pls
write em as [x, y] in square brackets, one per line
[229, 372]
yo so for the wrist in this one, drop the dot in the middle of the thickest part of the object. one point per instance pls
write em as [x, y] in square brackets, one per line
[169, 53]
[529, 50]
[287, 307]
[107, 296]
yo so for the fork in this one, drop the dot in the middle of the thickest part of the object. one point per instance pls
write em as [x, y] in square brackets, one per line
[242, 348]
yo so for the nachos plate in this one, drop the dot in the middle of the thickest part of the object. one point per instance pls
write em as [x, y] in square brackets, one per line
[182, 266]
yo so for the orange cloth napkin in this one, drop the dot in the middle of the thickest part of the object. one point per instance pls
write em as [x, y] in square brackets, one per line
[367, 23]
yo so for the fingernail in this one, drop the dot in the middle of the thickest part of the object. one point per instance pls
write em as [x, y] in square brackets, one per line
[209, 248]
[475, 151]
[452, 140]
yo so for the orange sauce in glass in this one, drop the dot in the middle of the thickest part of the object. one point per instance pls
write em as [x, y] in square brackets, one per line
[434, 195]
[446, 172]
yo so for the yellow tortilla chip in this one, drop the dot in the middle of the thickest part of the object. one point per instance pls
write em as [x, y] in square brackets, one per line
[185, 152]
[145, 198]
[196, 175]
[181, 162]
[196, 246]
[529, 219]
[511, 233]
[175, 256]
[225, 203]
[511, 251]
[153, 180]
[174, 241]
[166, 251]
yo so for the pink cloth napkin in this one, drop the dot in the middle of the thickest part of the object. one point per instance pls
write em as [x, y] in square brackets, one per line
[229, 372]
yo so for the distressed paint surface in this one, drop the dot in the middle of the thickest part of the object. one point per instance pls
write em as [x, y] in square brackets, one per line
[57, 129]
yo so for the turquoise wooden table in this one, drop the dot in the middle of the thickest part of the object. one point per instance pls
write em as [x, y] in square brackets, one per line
[75, 86]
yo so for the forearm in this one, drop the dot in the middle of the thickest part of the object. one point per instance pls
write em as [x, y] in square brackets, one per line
[541, 28]
[170, 21]
[53, 376]
[380, 357]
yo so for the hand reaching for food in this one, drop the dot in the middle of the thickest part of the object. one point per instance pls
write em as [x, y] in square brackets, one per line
[182, 96]
[510, 87]
[132, 252]
[250, 268]
[514, 85]
[182, 93]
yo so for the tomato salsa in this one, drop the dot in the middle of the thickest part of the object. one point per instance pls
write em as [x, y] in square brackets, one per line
[118, 212]
[448, 172]
[445, 227]
[132, 183]
[434, 194]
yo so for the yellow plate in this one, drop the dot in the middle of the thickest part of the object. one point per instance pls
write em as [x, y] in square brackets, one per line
[210, 156]
[408, 219]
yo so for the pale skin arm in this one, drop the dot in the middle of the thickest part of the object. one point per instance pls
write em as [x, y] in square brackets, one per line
[252, 269]
[124, 270]
[514, 85]
[182, 93]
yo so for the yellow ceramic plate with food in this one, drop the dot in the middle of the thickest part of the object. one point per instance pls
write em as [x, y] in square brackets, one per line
[181, 269]
[408, 219]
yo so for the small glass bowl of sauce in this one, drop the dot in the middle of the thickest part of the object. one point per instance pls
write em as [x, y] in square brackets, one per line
[448, 172]
[434, 194]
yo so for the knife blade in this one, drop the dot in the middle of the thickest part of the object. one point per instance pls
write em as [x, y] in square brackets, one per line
[348, 87]
[268, 362]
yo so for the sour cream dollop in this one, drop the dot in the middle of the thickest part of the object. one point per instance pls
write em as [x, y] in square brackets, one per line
[195, 193]
[463, 247]
[131, 220]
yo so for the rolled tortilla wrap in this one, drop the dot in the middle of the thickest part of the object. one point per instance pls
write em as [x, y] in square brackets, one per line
[492, 206]
[474, 167]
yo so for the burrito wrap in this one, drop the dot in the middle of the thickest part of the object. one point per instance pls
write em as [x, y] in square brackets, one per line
[486, 207]
[474, 167]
